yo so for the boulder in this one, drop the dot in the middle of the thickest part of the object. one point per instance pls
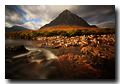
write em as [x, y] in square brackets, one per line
[19, 48]
[104, 36]
[7, 49]
[55, 46]
[83, 38]
[113, 39]
[94, 40]
[103, 56]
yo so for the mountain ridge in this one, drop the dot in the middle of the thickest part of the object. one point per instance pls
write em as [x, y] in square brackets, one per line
[15, 28]
[67, 18]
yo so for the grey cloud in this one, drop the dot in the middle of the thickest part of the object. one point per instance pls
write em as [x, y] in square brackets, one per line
[9, 10]
[12, 16]
[91, 13]
[16, 21]
[95, 13]
[44, 12]
[107, 24]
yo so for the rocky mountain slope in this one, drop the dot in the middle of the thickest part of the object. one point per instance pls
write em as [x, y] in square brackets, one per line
[67, 18]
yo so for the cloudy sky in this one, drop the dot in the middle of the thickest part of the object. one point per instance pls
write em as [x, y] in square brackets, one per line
[35, 16]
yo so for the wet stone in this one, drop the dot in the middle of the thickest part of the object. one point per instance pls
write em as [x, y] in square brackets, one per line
[81, 41]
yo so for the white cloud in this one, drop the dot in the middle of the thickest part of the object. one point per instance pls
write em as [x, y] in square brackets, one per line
[44, 12]
[32, 25]
[29, 25]
[27, 17]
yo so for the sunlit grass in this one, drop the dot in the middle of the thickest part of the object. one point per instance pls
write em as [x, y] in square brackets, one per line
[60, 30]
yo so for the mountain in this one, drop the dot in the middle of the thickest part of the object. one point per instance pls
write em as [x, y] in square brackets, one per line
[67, 18]
[94, 26]
[16, 28]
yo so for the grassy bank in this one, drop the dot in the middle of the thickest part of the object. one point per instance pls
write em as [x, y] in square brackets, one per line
[66, 32]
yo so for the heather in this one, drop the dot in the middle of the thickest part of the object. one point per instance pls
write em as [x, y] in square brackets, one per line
[68, 32]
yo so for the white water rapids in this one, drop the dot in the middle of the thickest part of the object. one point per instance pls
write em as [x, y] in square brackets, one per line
[28, 70]
[37, 51]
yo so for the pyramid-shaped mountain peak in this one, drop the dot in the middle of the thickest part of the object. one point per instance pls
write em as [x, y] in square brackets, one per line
[67, 18]
[66, 11]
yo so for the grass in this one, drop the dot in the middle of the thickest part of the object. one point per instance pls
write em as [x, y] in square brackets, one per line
[60, 30]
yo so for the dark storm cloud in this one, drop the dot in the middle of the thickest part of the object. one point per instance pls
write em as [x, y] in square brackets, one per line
[12, 16]
[107, 24]
[95, 13]
[15, 21]
[10, 10]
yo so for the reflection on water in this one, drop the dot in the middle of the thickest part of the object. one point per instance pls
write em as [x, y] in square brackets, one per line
[12, 42]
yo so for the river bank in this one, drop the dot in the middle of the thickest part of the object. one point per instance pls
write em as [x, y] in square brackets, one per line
[74, 63]
[78, 57]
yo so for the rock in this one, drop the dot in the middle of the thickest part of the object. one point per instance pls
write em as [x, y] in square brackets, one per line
[98, 54]
[104, 36]
[39, 45]
[98, 42]
[66, 45]
[108, 36]
[83, 44]
[103, 56]
[34, 38]
[108, 43]
[19, 48]
[79, 42]
[113, 39]
[109, 54]
[84, 61]
[7, 49]
[92, 36]
[8, 60]
[94, 40]
[98, 35]
[76, 56]
[55, 46]
[104, 41]
[25, 61]
[38, 38]
[83, 38]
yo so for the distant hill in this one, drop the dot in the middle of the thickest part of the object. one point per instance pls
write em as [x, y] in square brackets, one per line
[94, 26]
[16, 28]
[67, 18]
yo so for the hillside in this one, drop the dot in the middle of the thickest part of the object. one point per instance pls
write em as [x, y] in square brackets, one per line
[74, 27]
[16, 28]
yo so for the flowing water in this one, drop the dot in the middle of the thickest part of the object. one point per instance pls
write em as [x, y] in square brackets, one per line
[12, 42]
[29, 44]
[16, 67]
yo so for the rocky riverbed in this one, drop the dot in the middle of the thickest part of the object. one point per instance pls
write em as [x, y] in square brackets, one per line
[78, 57]
[61, 41]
